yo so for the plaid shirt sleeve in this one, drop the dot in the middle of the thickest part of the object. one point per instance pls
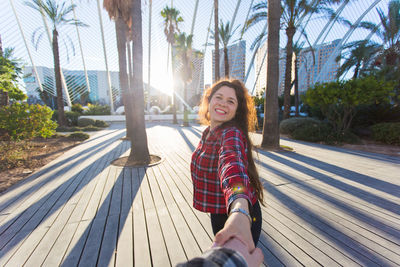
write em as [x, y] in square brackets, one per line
[222, 257]
[232, 166]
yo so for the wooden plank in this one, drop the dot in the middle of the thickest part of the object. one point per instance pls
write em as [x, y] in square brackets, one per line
[110, 237]
[87, 212]
[158, 248]
[305, 230]
[318, 224]
[124, 255]
[174, 247]
[142, 256]
[96, 232]
[185, 235]
[308, 247]
[49, 239]
[375, 246]
[202, 238]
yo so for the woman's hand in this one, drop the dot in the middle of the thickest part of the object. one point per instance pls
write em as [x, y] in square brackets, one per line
[237, 225]
[253, 259]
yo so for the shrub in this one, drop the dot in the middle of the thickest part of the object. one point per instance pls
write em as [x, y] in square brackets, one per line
[338, 100]
[72, 117]
[288, 126]
[23, 121]
[90, 128]
[78, 136]
[77, 108]
[388, 133]
[312, 131]
[83, 122]
[67, 129]
[100, 123]
[94, 109]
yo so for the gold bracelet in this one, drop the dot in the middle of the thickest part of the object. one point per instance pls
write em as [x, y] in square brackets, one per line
[243, 212]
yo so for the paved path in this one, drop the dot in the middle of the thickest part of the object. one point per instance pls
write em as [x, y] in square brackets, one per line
[324, 206]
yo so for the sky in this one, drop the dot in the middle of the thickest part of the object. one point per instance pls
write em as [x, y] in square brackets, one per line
[87, 12]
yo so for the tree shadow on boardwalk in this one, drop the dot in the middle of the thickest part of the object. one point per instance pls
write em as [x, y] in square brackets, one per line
[98, 243]
[369, 155]
[51, 203]
[354, 250]
[324, 227]
[59, 168]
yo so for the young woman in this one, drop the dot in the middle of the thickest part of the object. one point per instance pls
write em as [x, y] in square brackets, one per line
[225, 178]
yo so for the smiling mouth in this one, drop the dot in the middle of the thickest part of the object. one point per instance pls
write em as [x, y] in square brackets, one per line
[220, 111]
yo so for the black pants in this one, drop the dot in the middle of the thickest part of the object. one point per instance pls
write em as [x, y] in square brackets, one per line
[218, 222]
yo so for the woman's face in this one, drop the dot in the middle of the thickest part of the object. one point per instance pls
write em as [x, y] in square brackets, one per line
[223, 106]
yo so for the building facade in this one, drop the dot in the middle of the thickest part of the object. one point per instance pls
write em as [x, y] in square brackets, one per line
[309, 67]
[236, 60]
[76, 84]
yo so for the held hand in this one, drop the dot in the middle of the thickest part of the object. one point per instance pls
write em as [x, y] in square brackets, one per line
[237, 225]
[253, 259]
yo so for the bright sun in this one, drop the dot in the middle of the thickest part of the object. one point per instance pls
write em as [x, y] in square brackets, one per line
[161, 80]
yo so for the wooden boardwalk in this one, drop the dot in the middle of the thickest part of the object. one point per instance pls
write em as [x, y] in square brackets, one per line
[325, 206]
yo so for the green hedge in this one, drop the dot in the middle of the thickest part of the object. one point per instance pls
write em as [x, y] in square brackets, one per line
[78, 136]
[313, 130]
[100, 123]
[288, 126]
[388, 133]
[97, 110]
[83, 122]
[23, 121]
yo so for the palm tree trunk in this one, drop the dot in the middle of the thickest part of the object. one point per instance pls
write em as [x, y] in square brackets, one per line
[139, 149]
[174, 118]
[290, 31]
[356, 70]
[226, 62]
[57, 73]
[185, 83]
[216, 41]
[121, 30]
[270, 134]
[296, 85]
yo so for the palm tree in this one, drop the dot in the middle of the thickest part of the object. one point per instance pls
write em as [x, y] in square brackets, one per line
[358, 54]
[58, 14]
[293, 13]
[171, 26]
[390, 33]
[139, 149]
[216, 42]
[119, 11]
[270, 134]
[297, 48]
[184, 49]
[225, 36]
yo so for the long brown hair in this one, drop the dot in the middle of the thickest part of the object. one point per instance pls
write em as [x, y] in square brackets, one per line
[245, 119]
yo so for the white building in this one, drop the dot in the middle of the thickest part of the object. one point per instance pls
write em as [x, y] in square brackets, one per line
[236, 61]
[308, 68]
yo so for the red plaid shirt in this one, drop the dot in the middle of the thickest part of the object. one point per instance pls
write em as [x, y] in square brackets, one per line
[219, 170]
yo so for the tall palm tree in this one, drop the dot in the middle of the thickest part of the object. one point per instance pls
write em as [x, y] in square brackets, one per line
[216, 43]
[184, 50]
[390, 33]
[293, 14]
[119, 11]
[58, 13]
[297, 48]
[270, 133]
[171, 27]
[225, 36]
[139, 149]
[358, 54]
